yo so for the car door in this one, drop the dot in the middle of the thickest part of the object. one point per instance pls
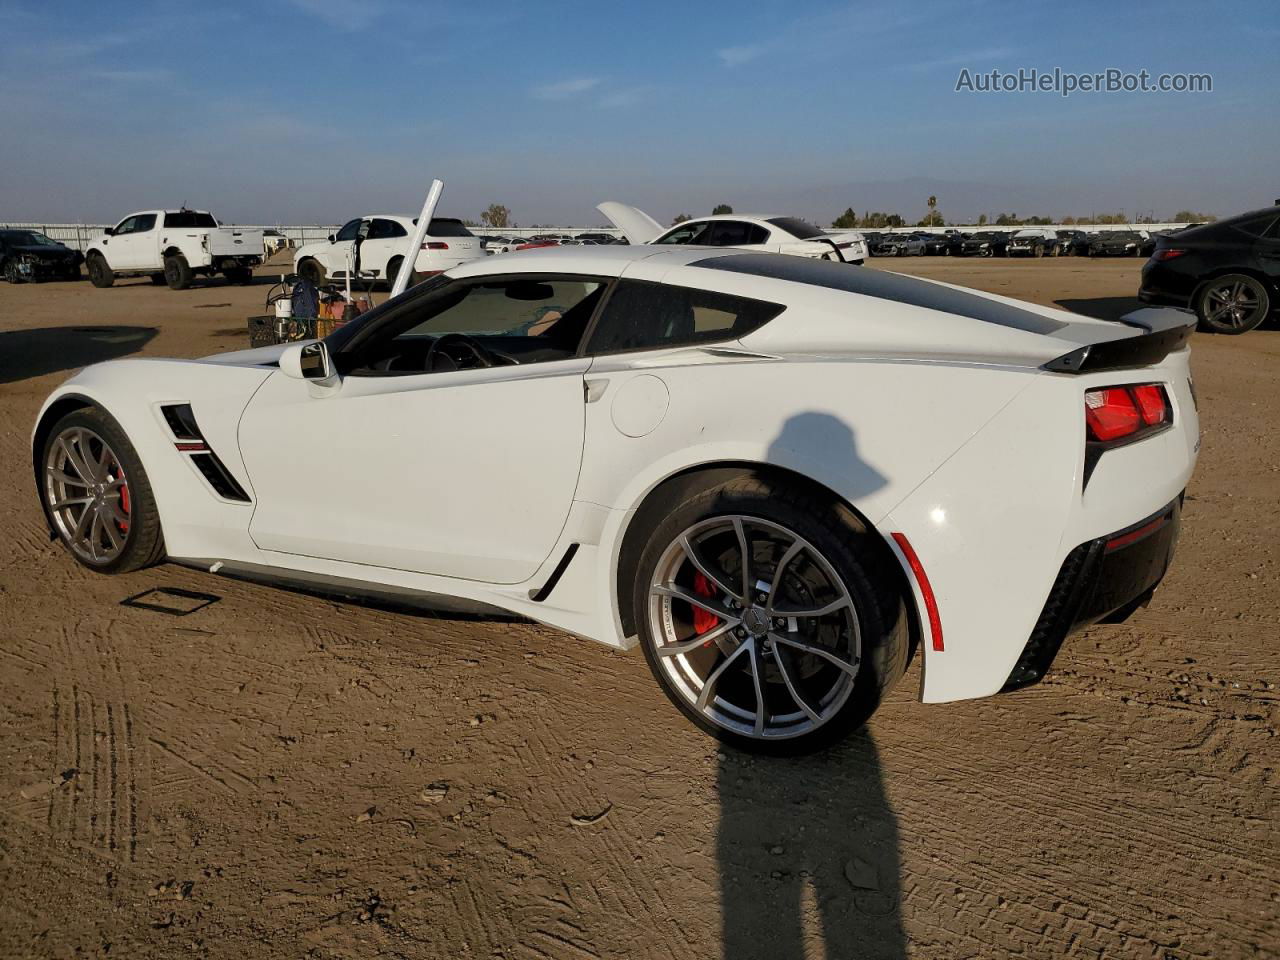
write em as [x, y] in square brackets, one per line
[466, 472]
[139, 249]
[386, 239]
[337, 257]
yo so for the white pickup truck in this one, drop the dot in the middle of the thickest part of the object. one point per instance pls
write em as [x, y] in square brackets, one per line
[172, 246]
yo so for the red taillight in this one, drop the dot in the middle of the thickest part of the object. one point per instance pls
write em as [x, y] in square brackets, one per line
[435, 245]
[1113, 413]
[1151, 403]
[1169, 254]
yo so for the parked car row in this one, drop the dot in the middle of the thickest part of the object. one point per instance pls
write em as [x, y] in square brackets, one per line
[1026, 242]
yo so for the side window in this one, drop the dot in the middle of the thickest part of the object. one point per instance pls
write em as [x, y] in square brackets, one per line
[380, 229]
[643, 316]
[527, 319]
[144, 222]
[127, 225]
[736, 233]
[1274, 232]
[349, 230]
[1258, 226]
[692, 232]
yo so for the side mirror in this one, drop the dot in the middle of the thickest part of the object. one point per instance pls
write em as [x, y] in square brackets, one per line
[332, 238]
[110, 231]
[308, 360]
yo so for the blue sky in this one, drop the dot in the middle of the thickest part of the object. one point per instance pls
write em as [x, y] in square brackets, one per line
[318, 110]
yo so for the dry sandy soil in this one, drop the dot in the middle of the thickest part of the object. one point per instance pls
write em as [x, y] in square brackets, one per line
[277, 775]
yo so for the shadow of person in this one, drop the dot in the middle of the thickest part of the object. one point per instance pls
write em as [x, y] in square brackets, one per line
[34, 353]
[808, 855]
[808, 847]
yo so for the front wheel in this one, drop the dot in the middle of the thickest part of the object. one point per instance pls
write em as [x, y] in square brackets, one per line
[393, 270]
[96, 495]
[100, 275]
[768, 616]
[311, 271]
[1235, 303]
[11, 274]
[177, 272]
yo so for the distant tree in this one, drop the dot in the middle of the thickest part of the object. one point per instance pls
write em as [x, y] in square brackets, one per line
[982, 219]
[932, 219]
[845, 220]
[680, 218]
[1068, 220]
[721, 208]
[875, 220]
[1189, 216]
[933, 206]
[469, 223]
[496, 215]
[1007, 220]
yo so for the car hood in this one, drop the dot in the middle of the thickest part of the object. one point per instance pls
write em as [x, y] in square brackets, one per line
[42, 251]
[636, 225]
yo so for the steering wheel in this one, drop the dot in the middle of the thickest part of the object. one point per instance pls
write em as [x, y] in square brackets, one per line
[484, 357]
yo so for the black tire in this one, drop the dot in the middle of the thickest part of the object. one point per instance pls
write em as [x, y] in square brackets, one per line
[177, 272]
[11, 274]
[1232, 304]
[241, 276]
[851, 551]
[1037, 250]
[100, 274]
[393, 267]
[158, 279]
[143, 541]
[311, 270]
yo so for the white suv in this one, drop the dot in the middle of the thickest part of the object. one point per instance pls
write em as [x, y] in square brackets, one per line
[373, 248]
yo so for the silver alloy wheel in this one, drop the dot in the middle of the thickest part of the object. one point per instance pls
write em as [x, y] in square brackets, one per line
[753, 627]
[87, 493]
[1232, 304]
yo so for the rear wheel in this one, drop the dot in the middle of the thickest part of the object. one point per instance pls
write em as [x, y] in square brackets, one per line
[100, 274]
[311, 271]
[97, 496]
[1235, 303]
[11, 274]
[177, 272]
[768, 618]
[393, 270]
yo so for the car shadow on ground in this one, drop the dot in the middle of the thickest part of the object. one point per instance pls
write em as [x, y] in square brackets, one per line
[34, 353]
[808, 851]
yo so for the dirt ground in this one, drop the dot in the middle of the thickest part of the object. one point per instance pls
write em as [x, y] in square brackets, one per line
[277, 775]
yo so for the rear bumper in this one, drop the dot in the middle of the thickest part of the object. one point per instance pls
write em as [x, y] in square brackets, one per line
[1104, 579]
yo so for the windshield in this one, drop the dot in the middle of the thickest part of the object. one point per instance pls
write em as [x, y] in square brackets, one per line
[189, 218]
[343, 334]
[798, 228]
[27, 238]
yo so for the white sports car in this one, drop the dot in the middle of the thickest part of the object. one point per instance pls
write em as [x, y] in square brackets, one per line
[764, 234]
[780, 475]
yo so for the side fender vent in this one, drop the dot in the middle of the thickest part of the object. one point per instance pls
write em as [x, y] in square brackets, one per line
[223, 483]
[190, 441]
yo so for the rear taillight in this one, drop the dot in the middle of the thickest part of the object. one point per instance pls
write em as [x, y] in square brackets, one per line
[1169, 254]
[435, 245]
[1119, 413]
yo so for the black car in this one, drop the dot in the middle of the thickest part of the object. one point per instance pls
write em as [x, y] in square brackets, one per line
[1228, 272]
[987, 243]
[1117, 243]
[597, 237]
[936, 244]
[1073, 243]
[28, 255]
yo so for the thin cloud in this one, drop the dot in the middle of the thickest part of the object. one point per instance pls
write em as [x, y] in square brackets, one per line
[565, 89]
[736, 56]
[971, 58]
[625, 97]
[343, 14]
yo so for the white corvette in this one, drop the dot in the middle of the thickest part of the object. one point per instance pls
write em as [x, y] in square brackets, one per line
[780, 475]
[764, 234]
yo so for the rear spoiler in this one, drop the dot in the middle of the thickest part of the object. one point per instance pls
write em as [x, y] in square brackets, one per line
[1166, 329]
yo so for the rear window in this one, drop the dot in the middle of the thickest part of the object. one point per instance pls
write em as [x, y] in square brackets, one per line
[884, 286]
[446, 227]
[800, 229]
[189, 218]
[640, 315]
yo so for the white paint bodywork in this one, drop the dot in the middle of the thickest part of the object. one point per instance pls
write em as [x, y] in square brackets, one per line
[202, 247]
[638, 227]
[376, 254]
[474, 483]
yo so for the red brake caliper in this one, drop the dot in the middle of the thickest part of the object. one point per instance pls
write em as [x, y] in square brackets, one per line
[703, 620]
[124, 506]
